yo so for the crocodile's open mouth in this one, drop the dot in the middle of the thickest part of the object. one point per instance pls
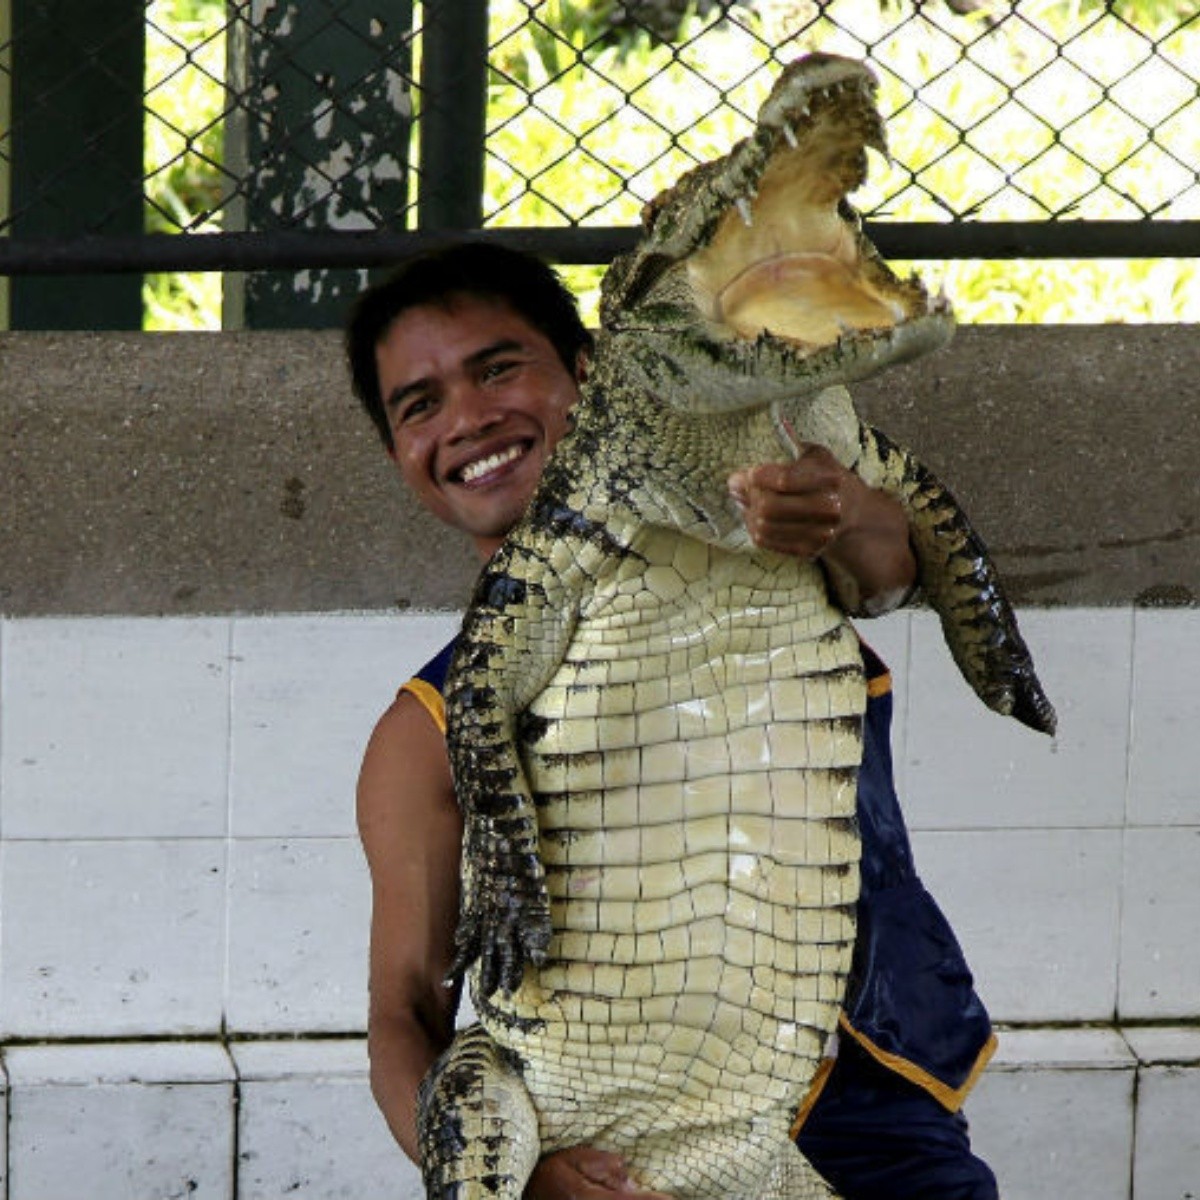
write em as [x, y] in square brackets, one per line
[764, 241]
[806, 297]
[787, 257]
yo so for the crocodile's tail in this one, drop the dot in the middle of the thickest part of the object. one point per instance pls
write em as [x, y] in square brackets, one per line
[476, 1122]
[962, 586]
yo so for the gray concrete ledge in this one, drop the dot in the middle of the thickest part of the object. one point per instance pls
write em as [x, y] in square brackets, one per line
[210, 473]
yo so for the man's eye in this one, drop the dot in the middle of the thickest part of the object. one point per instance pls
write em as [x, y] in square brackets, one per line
[499, 368]
[411, 410]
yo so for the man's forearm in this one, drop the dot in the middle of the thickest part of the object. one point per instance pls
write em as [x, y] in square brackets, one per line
[870, 563]
[401, 1055]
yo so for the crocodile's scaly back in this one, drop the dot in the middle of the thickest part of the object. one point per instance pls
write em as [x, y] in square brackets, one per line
[655, 728]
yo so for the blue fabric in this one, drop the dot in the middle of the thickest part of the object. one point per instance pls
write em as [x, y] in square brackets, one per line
[434, 671]
[875, 1136]
[910, 990]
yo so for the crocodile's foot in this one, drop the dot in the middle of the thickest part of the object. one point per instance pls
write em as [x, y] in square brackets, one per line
[506, 927]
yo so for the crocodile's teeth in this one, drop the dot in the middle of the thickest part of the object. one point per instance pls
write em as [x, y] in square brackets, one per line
[482, 466]
[790, 134]
[743, 207]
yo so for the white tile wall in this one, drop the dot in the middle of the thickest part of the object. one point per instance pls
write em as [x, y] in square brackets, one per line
[1036, 912]
[969, 768]
[1164, 759]
[120, 1121]
[4, 1113]
[111, 938]
[1160, 952]
[178, 856]
[308, 1126]
[1167, 1163]
[306, 692]
[1053, 1115]
[114, 728]
[300, 911]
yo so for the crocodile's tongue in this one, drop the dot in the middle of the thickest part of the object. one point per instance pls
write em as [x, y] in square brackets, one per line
[807, 298]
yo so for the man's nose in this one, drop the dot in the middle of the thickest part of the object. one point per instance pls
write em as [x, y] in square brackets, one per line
[472, 410]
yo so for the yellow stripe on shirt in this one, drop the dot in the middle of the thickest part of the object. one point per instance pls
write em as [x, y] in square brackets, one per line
[430, 699]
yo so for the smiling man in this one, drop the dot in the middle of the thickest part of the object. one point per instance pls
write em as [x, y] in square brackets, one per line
[469, 361]
[476, 398]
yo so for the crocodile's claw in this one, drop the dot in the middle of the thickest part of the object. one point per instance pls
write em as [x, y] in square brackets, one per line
[505, 926]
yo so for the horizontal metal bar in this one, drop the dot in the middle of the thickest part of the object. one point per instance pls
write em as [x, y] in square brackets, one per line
[1037, 239]
[297, 250]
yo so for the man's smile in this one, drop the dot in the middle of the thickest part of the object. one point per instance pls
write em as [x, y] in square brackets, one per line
[476, 470]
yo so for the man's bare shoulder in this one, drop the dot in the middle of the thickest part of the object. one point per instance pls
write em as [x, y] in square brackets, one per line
[405, 776]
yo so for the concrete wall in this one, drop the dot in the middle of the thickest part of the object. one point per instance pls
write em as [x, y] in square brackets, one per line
[212, 585]
[178, 474]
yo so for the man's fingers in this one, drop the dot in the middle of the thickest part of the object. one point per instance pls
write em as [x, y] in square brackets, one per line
[584, 1173]
[600, 1166]
[815, 470]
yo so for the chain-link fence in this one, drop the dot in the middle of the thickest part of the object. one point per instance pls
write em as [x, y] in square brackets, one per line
[337, 133]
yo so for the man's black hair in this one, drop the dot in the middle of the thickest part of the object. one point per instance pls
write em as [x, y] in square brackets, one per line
[531, 288]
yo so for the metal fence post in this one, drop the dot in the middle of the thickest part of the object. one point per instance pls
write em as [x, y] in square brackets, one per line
[319, 138]
[76, 145]
[5, 123]
[454, 49]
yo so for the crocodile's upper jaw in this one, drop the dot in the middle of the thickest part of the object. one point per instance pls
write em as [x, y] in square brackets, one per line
[760, 248]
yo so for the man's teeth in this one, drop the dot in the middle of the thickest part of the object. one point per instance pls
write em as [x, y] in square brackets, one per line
[482, 466]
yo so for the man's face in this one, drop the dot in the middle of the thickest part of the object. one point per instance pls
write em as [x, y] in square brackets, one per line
[476, 399]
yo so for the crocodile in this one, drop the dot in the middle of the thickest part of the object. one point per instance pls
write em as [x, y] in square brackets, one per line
[655, 726]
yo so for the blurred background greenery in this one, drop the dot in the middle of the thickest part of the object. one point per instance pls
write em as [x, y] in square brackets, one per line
[591, 113]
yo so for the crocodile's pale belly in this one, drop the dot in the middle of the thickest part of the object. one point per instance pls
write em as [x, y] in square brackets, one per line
[696, 809]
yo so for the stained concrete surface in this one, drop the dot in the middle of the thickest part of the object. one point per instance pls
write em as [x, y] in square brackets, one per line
[233, 472]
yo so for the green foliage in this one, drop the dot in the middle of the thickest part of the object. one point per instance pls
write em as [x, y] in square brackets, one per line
[675, 116]
[585, 126]
[184, 146]
[1138, 12]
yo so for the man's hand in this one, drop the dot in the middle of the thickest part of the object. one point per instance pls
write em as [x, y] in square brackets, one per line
[799, 508]
[581, 1173]
[814, 508]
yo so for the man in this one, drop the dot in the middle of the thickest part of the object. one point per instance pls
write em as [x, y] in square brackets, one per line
[469, 362]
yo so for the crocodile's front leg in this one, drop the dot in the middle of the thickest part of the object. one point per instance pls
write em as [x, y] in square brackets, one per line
[511, 641]
[477, 1125]
[958, 577]
[514, 637]
[954, 569]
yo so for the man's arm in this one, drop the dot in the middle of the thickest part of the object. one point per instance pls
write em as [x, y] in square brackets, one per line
[411, 831]
[816, 508]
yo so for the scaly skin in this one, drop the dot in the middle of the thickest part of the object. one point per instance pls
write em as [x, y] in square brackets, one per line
[655, 728]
